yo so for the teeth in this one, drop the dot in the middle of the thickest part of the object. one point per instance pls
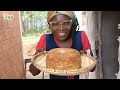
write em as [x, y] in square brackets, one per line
[61, 34]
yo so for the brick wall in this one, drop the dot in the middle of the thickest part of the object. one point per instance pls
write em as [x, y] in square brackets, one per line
[11, 58]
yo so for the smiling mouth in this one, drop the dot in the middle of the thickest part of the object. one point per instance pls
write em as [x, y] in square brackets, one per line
[61, 34]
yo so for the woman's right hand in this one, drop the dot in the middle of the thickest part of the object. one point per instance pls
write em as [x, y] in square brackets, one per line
[39, 51]
[34, 70]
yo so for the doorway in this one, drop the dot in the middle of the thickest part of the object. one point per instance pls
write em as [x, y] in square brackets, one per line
[109, 35]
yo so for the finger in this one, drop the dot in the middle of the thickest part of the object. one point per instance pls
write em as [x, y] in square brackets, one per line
[41, 50]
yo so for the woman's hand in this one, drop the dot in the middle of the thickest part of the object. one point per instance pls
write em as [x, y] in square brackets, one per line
[34, 70]
[93, 69]
[39, 51]
[83, 52]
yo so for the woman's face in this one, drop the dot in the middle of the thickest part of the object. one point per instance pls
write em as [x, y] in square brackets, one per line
[61, 26]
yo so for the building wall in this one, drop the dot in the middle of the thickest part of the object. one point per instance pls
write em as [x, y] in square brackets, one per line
[109, 48]
[90, 31]
[11, 58]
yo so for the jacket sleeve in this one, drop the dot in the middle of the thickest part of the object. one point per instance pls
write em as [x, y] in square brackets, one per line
[42, 42]
[85, 42]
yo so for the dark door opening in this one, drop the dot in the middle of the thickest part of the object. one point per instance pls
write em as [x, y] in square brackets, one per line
[110, 44]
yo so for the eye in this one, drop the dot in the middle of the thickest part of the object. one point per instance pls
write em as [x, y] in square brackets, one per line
[55, 24]
[67, 23]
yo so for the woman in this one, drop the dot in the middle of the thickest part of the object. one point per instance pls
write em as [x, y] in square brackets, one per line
[63, 25]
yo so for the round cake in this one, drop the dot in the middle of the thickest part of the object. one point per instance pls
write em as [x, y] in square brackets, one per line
[63, 59]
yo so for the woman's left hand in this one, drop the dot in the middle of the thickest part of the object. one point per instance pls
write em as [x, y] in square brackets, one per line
[93, 69]
[83, 52]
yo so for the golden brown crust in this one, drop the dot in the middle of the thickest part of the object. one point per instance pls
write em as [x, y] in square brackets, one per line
[63, 59]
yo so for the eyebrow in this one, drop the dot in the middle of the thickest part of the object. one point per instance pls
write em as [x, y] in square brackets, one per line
[59, 22]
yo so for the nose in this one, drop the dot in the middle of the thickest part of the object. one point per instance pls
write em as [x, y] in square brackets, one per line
[61, 26]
